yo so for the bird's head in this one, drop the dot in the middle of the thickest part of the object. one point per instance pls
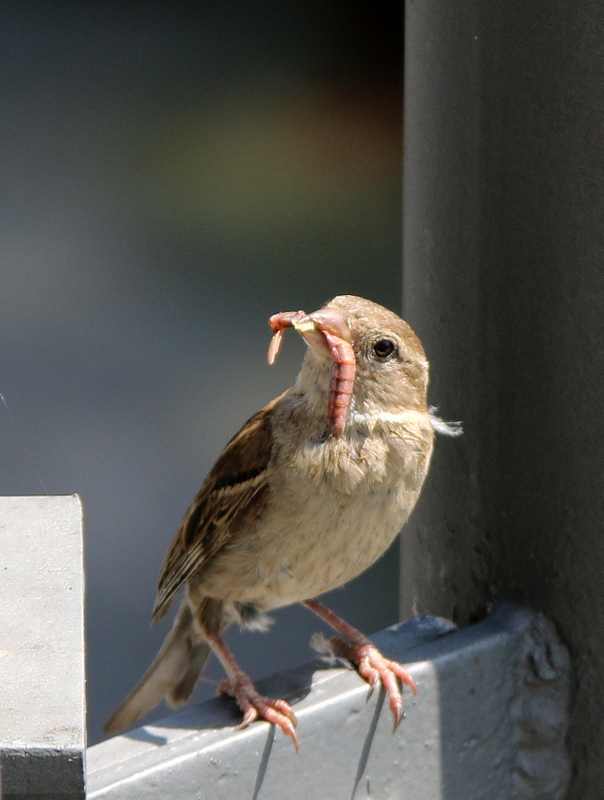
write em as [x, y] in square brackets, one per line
[362, 356]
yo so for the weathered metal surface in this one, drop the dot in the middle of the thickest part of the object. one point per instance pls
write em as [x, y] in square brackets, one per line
[488, 722]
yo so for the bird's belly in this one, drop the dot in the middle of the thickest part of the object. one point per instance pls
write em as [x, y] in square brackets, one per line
[314, 547]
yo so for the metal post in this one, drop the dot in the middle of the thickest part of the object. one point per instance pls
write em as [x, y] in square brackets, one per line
[503, 254]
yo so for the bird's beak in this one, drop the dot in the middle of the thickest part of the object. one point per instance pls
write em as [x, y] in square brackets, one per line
[326, 320]
[311, 327]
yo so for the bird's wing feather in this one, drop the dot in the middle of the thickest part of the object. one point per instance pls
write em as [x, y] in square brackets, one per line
[235, 492]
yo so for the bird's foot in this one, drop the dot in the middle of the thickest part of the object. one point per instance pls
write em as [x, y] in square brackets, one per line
[256, 706]
[376, 668]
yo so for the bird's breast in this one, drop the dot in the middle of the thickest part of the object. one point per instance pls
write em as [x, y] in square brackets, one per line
[334, 507]
[335, 510]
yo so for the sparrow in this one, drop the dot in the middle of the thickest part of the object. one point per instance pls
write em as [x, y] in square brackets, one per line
[305, 497]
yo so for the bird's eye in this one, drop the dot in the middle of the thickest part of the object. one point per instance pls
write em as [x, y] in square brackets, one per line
[385, 349]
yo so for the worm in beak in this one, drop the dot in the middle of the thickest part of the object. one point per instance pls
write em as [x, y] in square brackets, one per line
[326, 332]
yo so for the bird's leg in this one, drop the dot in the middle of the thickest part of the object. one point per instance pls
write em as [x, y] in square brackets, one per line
[371, 664]
[254, 705]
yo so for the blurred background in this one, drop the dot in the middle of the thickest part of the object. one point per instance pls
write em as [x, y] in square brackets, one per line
[171, 175]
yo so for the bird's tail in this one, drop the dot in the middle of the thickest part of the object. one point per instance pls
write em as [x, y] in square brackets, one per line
[172, 675]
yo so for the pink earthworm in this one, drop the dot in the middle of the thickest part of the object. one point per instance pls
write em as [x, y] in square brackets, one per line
[342, 381]
[322, 331]
[279, 322]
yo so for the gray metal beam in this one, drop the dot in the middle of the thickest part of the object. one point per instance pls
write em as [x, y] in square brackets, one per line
[503, 282]
[42, 702]
[488, 722]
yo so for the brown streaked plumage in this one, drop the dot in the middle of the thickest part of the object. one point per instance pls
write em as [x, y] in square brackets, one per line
[232, 493]
[306, 496]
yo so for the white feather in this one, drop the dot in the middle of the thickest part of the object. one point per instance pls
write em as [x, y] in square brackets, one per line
[446, 428]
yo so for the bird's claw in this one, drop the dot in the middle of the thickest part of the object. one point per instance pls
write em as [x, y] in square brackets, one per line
[373, 685]
[375, 669]
[256, 706]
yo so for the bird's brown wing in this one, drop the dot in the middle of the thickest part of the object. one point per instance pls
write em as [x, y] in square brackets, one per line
[234, 493]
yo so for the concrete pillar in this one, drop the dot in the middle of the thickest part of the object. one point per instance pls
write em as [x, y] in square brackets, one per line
[42, 699]
[504, 282]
